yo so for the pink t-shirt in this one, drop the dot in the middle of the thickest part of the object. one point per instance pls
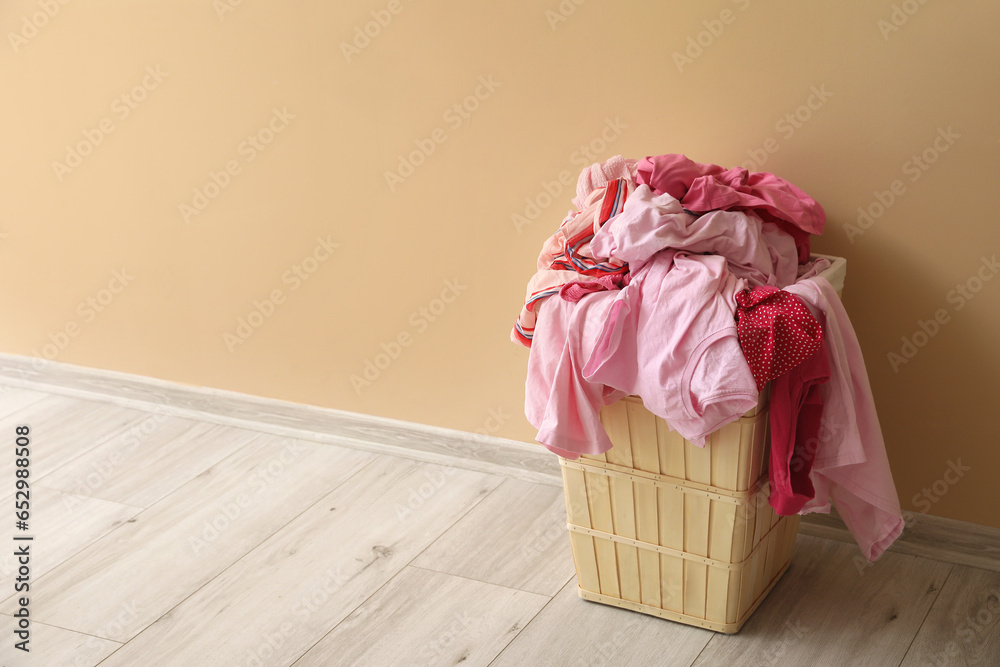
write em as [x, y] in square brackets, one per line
[670, 338]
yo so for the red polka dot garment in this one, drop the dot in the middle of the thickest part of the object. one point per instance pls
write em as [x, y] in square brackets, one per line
[776, 331]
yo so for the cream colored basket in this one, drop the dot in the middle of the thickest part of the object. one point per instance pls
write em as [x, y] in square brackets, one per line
[663, 527]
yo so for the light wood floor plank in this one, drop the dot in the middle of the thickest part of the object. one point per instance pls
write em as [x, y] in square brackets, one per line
[516, 537]
[427, 618]
[275, 603]
[149, 460]
[336, 556]
[61, 430]
[963, 627]
[572, 631]
[828, 611]
[53, 647]
[186, 539]
[14, 399]
[61, 524]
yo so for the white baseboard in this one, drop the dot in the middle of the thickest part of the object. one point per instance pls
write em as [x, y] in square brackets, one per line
[381, 435]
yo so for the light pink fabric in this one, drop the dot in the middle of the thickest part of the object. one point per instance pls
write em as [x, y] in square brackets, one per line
[813, 268]
[573, 235]
[670, 338]
[577, 289]
[757, 251]
[708, 187]
[558, 401]
[851, 467]
[598, 175]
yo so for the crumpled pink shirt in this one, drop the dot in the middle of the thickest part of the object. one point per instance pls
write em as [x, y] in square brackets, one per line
[757, 251]
[670, 338]
[558, 401]
[851, 467]
[708, 187]
[608, 345]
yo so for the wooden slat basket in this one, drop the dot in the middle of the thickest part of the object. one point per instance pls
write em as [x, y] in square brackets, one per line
[664, 527]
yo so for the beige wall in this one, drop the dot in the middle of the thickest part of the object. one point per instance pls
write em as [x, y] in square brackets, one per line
[199, 79]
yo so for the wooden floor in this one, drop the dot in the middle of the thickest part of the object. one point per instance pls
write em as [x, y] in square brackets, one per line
[161, 540]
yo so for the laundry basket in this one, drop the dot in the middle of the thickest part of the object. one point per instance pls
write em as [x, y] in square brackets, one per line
[664, 527]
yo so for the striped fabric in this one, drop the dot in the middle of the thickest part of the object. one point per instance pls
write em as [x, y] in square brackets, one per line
[566, 254]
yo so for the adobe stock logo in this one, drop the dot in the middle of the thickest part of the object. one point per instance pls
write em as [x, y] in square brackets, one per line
[122, 107]
[915, 168]
[88, 310]
[264, 309]
[363, 35]
[927, 329]
[223, 7]
[699, 43]
[455, 116]
[899, 17]
[249, 149]
[420, 320]
[562, 12]
[787, 125]
[585, 155]
[31, 25]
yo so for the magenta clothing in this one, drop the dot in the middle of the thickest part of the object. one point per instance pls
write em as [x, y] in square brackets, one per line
[850, 467]
[708, 187]
[777, 332]
[756, 251]
[796, 409]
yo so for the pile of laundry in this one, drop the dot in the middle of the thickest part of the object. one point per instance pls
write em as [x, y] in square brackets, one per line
[692, 286]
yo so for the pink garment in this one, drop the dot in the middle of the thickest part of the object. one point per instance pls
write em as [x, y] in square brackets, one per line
[777, 332]
[598, 175]
[670, 338]
[756, 251]
[566, 255]
[577, 289]
[558, 401]
[708, 187]
[813, 268]
[850, 466]
[796, 410]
